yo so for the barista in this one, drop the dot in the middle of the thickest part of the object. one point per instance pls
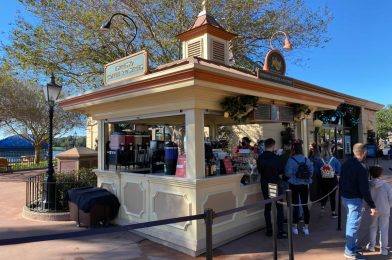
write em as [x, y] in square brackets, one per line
[244, 144]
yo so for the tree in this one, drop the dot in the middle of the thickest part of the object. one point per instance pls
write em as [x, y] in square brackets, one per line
[384, 121]
[24, 112]
[67, 40]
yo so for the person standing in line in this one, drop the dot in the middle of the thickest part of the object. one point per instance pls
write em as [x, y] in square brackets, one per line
[299, 170]
[327, 168]
[354, 187]
[382, 195]
[283, 158]
[268, 165]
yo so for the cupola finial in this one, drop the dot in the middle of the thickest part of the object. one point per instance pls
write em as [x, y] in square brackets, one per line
[205, 6]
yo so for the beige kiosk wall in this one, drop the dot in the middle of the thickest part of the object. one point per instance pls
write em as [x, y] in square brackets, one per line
[146, 197]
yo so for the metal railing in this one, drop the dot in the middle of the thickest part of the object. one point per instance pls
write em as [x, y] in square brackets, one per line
[34, 192]
[208, 217]
[20, 160]
[36, 197]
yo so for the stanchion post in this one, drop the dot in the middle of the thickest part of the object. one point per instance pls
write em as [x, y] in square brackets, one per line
[290, 223]
[209, 218]
[339, 211]
[274, 230]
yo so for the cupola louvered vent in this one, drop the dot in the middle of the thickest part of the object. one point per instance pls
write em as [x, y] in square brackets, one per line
[218, 51]
[195, 49]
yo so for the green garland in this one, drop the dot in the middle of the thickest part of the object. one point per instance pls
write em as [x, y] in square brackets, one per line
[301, 109]
[239, 108]
[349, 113]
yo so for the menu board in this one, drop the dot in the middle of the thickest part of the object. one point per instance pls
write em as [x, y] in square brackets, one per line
[371, 150]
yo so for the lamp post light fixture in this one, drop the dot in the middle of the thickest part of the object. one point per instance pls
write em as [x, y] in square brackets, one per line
[287, 45]
[317, 124]
[106, 27]
[51, 92]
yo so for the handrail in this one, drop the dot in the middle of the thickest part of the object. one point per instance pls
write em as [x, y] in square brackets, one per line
[253, 205]
[90, 232]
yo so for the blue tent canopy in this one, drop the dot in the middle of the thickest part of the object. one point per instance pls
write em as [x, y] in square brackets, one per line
[16, 142]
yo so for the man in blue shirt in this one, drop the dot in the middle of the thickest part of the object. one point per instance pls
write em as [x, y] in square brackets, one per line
[354, 187]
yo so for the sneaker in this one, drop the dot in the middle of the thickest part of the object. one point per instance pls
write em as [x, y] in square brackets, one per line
[282, 235]
[334, 215]
[295, 231]
[305, 231]
[384, 251]
[370, 248]
[356, 256]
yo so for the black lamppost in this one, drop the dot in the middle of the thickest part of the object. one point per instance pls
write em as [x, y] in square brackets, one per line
[107, 24]
[51, 92]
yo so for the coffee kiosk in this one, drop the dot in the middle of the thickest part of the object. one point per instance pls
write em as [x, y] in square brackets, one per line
[185, 96]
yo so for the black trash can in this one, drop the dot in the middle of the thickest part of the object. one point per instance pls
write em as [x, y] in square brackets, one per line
[171, 154]
[91, 206]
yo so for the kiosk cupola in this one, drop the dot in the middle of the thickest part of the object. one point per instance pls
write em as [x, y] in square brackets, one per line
[206, 39]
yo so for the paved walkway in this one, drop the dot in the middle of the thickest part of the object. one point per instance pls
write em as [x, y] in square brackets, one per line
[324, 242]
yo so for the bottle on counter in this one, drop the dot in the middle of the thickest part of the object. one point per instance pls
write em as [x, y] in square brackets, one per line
[217, 166]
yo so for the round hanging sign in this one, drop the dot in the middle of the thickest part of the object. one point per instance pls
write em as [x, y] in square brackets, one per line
[274, 62]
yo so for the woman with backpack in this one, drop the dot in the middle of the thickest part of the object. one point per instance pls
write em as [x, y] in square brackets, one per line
[327, 168]
[299, 171]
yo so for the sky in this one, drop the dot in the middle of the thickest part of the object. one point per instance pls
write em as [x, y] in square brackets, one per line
[357, 61]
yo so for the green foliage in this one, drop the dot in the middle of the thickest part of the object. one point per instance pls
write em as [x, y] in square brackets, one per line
[301, 109]
[349, 113]
[24, 112]
[240, 107]
[67, 181]
[28, 166]
[67, 39]
[384, 121]
[69, 141]
[288, 135]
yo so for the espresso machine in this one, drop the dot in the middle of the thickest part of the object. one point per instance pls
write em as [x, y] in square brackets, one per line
[157, 156]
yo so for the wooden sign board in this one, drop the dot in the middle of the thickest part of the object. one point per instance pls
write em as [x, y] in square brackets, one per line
[272, 190]
[126, 68]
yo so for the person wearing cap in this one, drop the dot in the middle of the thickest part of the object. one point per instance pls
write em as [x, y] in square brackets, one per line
[354, 188]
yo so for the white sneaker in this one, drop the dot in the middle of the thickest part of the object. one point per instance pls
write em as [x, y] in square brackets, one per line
[295, 231]
[370, 248]
[384, 251]
[305, 231]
